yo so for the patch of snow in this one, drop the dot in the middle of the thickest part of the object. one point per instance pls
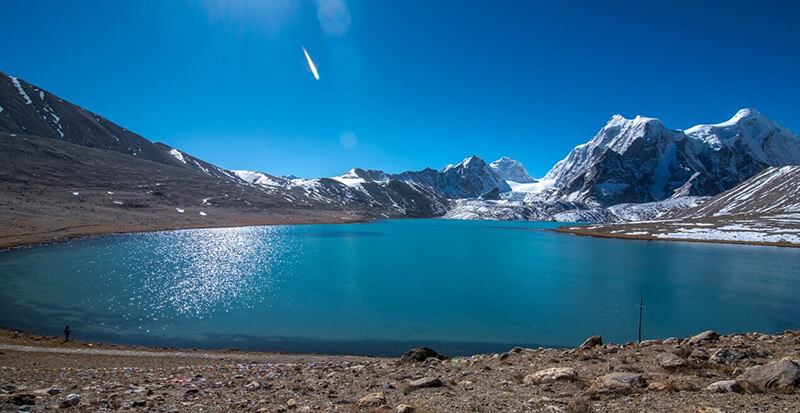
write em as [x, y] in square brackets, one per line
[256, 178]
[76, 193]
[118, 202]
[41, 94]
[180, 210]
[21, 90]
[177, 155]
[203, 213]
[349, 178]
[110, 192]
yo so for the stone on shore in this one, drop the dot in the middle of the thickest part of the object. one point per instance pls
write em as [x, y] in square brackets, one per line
[671, 361]
[71, 400]
[725, 386]
[550, 375]
[707, 336]
[778, 376]
[23, 399]
[617, 382]
[404, 408]
[592, 341]
[420, 354]
[372, 400]
[728, 355]
[426, 382]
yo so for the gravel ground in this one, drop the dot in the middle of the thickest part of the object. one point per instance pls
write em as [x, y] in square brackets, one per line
[42, 373]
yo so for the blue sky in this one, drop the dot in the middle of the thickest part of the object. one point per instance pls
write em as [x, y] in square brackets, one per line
[417, 82]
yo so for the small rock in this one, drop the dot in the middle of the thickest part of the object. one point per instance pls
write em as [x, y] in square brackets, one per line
[404, 408]
[53, 391]
[709, 410]
[661, 386]
[550, 375]
[728, 356]
[139, 403]
[115, 403]
[671, 340]
[648, 343]
[71, 400]
[592, 341]
[291, 404]
[420, 354]
[782, 376]
[617, 382]
[725, 386]
[698, 354]
[704, 337]
[426, 382]
[304, 409]
[372, 400]
[671, 361]
[22, 399]
[253, 385]
[432, 362]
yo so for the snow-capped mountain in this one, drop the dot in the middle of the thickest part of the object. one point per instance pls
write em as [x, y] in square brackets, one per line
[632, 169]
[640, 160]
[511, 170]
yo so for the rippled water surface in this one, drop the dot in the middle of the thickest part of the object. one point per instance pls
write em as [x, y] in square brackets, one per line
[379, 288]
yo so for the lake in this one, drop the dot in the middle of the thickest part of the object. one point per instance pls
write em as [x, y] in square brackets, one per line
[461, 287]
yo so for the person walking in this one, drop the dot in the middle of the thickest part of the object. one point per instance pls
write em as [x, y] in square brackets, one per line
[66, 334]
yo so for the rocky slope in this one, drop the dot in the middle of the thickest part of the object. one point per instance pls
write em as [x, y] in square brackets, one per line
[705, 373]
[765, 209]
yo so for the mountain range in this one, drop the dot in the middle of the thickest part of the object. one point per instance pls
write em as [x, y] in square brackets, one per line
[88, 171]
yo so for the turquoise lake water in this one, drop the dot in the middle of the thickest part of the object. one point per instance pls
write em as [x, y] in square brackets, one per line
[379, 288]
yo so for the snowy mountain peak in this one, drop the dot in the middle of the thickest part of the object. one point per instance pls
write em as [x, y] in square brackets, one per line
[511, 170]
[752, 133]
[470, 162]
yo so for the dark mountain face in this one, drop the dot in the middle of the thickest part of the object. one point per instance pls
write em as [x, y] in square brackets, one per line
[29, 110]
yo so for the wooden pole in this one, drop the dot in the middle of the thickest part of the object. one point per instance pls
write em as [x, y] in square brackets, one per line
[641, 307]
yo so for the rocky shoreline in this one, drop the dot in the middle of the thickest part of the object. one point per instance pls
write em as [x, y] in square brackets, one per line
[705, 373]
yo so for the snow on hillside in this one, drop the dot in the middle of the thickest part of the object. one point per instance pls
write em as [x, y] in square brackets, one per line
[773, 191]
[764, 209]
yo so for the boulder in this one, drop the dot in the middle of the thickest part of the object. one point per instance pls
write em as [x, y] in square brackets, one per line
[671, 361]
[420, 354]
[71, 400]
[404, 408]
[426, 382]
[725, 386]
[617, 382]
[592, 341]
[372, 400]
[24, 399]
[728, 355]
[778, 376]
[552, 374]
[708, 336]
